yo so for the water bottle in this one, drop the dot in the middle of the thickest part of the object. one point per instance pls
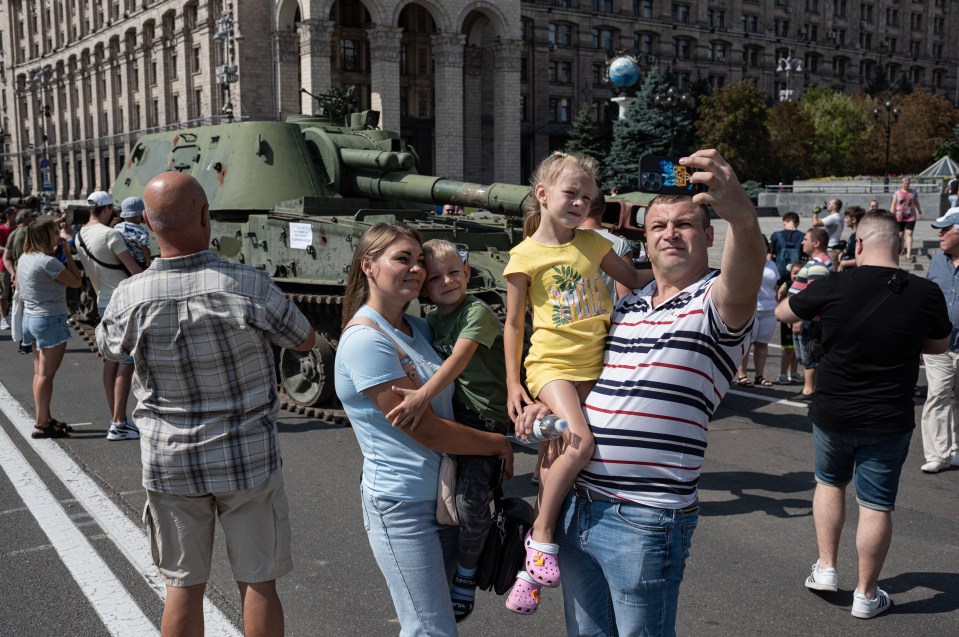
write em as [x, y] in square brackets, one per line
[549, 427]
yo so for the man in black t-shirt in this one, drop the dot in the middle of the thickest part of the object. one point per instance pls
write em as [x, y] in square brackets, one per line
[862, 411]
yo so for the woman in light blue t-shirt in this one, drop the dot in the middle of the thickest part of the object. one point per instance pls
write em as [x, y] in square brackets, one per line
[400, 465]
[42, 279]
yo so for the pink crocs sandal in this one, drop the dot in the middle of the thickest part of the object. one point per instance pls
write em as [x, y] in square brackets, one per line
[524, 598]
[541, 562]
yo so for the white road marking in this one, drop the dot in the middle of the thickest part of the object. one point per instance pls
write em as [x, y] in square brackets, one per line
[110, 600]
[127, 536]
[768, 399]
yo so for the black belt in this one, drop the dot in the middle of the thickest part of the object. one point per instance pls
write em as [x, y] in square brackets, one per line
[595, 496]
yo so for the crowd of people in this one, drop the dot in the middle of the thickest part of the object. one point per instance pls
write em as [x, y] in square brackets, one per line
[635, 361]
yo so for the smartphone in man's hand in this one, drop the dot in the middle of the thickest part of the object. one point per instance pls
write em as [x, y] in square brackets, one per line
[666, 176]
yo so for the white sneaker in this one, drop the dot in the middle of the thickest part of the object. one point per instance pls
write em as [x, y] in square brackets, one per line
[125, 430]
[4, 323]
[934, 466]
[822, 579]
[866, 608]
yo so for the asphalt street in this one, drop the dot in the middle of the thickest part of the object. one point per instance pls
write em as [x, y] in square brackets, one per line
[75, 559]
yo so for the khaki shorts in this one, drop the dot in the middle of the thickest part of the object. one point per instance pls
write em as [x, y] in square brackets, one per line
[256, 523]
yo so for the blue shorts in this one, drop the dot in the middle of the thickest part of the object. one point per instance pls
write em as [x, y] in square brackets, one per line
[47, 331]
[875, 459]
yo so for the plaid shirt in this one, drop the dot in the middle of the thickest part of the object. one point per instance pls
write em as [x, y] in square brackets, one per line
[201, 331]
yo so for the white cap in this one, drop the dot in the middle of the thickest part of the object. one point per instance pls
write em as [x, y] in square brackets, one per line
[100, 198]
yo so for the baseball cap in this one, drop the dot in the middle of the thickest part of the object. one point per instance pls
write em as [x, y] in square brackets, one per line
[947, 220]
[99, 198]
[131, 207]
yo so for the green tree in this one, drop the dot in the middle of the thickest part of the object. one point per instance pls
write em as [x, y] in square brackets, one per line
[792, 134]
[844, 130]
[584, 138]
[926, 123]
[644, 130]
[733, 121]
[878, 82]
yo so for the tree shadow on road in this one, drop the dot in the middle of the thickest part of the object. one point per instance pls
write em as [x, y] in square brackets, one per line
[738, 483]
[942, 585]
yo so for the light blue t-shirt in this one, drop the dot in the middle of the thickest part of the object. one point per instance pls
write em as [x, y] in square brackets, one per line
[395, 466]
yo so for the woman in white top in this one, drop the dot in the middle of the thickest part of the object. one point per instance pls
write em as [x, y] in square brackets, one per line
[42, 278]
[765, 323]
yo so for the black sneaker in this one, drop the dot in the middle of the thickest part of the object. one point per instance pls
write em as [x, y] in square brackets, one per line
[801, 397]
[25, 349]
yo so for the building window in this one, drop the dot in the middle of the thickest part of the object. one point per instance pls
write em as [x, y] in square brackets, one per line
[937, 78]
[839, 8]
[839, 66]
[865, 11]
[914, 48]
[560, 34]
[781, 27]
[812, 6]
[682, 48]
[350, 55]
[560, 3]
[561, 71]
[524, 70]
[153, 73]
[599, 74]
[915, 21]
[751, 56]
[603, 6]
[716, 52]
[892, 17]
[603, 39]
[865, 40]
[812, 63]
[680, 13]
[173, 65]
[643, 43]
[559, 110]
[524, 107]
[717, 82]
[716, 18]
[197, 103]
[646, 9]
[196, 59]
[750, 23]
[176, 109]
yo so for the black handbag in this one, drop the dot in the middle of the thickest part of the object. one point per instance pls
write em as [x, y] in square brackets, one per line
[504, 551]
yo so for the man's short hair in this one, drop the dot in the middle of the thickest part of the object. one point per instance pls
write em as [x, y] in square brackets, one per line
[819, 235]
[598, 206]
[880, 225]
[791, 217]
[856, 212]
[838, 202]
[23, 216]
[668, 200]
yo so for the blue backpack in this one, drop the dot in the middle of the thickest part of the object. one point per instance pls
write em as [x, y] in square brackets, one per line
[789, 243]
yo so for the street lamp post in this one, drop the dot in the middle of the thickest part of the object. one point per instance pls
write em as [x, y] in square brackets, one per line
[37, 79]
[887, 116]
[672, 101]
[228, 32]
[788, 64]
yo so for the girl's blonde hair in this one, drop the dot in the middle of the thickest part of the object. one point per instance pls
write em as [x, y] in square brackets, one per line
[372, 244]
[38, 237]
[547, 173]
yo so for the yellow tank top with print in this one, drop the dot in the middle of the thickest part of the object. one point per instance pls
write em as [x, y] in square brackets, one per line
[571, 307]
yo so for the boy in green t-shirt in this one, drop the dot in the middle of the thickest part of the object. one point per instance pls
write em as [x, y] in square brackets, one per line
[469, 336]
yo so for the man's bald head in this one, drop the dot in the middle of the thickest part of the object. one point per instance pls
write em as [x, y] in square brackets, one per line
[176, 210]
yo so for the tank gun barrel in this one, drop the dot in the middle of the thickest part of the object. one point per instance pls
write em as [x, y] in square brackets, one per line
[505, 199]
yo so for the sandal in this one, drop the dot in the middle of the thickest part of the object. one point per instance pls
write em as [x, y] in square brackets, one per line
[541, 562]
[59, 424]
[524, 598]
[742, 381]
[762, 382]
[48, 431]
[463, 608]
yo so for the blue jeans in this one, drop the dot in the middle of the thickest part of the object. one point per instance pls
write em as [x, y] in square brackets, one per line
[417, 557]
[874, 459]
[622, 565]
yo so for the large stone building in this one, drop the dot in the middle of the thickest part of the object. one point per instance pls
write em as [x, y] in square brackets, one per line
[481, 88]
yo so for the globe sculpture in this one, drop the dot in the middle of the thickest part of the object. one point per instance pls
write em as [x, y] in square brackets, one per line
[623, 72]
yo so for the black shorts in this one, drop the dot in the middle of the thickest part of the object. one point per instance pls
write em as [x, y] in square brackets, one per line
[907, 225]
[786, 335]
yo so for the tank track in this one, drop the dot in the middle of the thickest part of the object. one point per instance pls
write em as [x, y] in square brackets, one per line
[322, 310]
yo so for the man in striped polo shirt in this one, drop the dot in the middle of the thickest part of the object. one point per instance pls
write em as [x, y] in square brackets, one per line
[673, 347]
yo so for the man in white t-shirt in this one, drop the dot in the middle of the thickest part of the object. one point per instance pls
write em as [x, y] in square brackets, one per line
[832, 222]
[107, 261]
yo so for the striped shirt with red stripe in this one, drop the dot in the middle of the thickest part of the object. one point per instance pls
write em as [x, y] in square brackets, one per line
[664, 374]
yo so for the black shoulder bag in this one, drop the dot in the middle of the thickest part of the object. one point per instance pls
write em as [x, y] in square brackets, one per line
[109, 266]
[504, 551]
[895, 285]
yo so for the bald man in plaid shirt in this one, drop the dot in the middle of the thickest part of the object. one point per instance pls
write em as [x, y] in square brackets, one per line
[201, 331]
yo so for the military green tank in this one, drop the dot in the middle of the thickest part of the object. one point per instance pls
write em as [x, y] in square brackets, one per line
[10, 195]
[293, 198]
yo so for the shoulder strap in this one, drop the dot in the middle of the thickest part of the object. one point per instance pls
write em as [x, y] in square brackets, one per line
[895, 284]
[83, 245]
[405, 361]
